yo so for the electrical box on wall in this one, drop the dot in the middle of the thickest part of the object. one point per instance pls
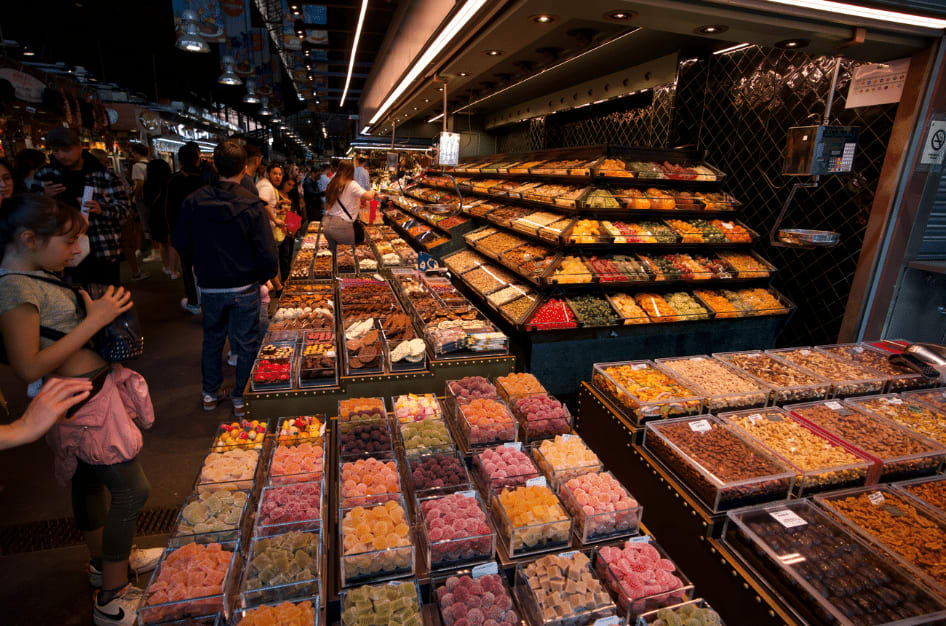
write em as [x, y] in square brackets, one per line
[820, 150]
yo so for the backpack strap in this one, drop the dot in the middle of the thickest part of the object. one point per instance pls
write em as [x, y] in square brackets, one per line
[45, 331]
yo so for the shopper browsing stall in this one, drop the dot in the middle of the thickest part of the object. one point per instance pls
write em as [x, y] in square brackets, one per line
[343, 197]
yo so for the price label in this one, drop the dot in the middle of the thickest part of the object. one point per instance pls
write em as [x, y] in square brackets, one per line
[567, 437]
[426, 262]
[515, 445]
[639, 366]
[697, 358]
[607, 621]
[569, 554]
[727, 225]
[639, 539]
[469, 493]
[755, 417]
[486, 569]
[858, 349]
[805, 352]
[876, 498]
[834, 406]
[701, 426]
[788, 519]
[893, 400]
[537, 482]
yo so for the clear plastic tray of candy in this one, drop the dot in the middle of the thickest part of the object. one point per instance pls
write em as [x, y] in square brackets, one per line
[316, 364]
[696, 611]
[245, 434]
[898, 453]
[640, 390]
[437, 474]
[282, 567]
[906, 411]
[278, 613]
[821, 462]
[220, 564]
[485, 422]
[507, 465]
[456, 595]
[300, 427]
[367, 480]
[789, 383]
[424, 437]
[541, 416]
[566, 167]
[899, 524]
[211, 517]
[722, 466]
[360, 409]
[562, 590]
[812, 561]
[935, 398]
[600, 507]
[365, 438]
[899, 378]
[563, 458]
[297, 461]
[722, 386]
[514, 511]
[396, 602]
[849, 379]
[454, 530]
[641, 576]
[230, 470]
[930, 490]
[285, 508]
[375, 543]
[273, 367]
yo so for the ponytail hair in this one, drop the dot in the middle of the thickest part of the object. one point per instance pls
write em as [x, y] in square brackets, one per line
[46, 217]
[344, 174]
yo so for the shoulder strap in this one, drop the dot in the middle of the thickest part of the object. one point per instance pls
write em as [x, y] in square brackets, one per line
[45, 331]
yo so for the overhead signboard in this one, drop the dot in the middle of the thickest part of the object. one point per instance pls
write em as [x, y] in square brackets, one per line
[449, 148]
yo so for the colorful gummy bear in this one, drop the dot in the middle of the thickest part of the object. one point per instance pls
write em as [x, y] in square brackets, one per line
[243, 434]
[414, 408]
[301, 427]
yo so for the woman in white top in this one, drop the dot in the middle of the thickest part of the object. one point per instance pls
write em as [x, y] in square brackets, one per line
[343, 197]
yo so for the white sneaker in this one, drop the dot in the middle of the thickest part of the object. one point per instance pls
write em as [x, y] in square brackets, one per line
[154, 256]
[231, 359]
[95, 576]
[190, 308]
[121, 610]
[143, 560]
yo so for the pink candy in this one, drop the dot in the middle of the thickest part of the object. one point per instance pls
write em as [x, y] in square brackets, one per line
[506, 466]
[290, 503]
[465, 601]
[457, 528]
[299, 463]
[637, 571]
[543, 416]
[600, 505]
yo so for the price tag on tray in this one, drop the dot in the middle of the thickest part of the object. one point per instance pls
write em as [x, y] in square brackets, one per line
[787, 518]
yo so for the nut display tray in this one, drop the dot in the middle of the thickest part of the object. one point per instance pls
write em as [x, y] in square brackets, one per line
[641, 390]
[821, 462]
[899, 378]
[790, 383]
[635, 600]
[723, 467]
[812, 559]
[902, 526]
[930, 490]
[849, 378]
[721, 386]
[904, 410]
[281, 568]
[898, 453]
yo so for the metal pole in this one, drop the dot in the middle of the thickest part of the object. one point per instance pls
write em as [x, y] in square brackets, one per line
[393, 130]
[834, 84]
[445, 106]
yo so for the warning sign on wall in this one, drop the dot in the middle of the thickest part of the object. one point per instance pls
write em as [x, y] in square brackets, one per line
[934, 145]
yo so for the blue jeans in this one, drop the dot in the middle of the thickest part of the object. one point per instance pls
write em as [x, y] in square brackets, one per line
[233, 315]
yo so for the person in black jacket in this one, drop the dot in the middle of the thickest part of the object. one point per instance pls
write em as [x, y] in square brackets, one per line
[186, 181]
[226, 229]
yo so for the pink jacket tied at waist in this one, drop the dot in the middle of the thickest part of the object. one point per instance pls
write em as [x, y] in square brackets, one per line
[103, 430]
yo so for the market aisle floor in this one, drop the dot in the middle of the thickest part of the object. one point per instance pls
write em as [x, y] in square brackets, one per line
[54, 580]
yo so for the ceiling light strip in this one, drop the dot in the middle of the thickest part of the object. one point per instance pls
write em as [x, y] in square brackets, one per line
[738, 46]
[354, 50]
[855, 10]
[459, 20]
[547, 69]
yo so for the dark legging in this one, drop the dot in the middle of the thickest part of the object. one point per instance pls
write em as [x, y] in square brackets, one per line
[129, 489]
[285, 257]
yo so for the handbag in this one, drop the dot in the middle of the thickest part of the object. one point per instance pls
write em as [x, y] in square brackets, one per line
[355, 224]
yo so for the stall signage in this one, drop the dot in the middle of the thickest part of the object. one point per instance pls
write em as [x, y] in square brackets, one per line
[25, 86]
[877, 83]
[449, 148]
[392, 162]
[426, 262]
[934, 146]
[192, 133]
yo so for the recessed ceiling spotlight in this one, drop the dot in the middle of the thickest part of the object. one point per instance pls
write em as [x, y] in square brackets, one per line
[494, 53]
[792, 44]
[619, 15]
[543, 18]
[712, 29]
[463, 74]
[415, 108]
[426, 99]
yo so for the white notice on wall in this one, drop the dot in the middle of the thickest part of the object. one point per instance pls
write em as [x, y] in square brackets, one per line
[877, 83]
[934, 145]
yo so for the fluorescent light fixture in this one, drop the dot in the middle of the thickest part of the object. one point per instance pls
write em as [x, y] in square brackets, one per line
[459, 20]
[853, 10]
[738, 46]
[354, 51]
[387, 148]
[435, 118]
[366, 130]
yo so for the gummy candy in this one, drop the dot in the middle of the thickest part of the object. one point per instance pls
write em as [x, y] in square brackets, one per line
[289, 504]
[457, 528]
[303, 462]
[193, 571]
[292, 557]
[475, 600]
[285, 614]
[381, 605]
[368, 481]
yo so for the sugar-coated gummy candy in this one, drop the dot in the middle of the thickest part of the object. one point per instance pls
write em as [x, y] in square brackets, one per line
[303, 462]
[637, 570]
[599, 504]
[438, 471]
[233, 465]
[466, 601]
[286, 504]
[356, 409]
[212, 511]
[687, 615]
[375, 540]
[285, 614]
[416, 408]
[368, 481]
[487, 421]
[381, 605]
[519, 384]
[425, 436]
[542, 415]
[505, 466]
[193, 571]
[288, 558]
[457, 528]
[565, 457]
[536, 517]
[564, 586]
[365, 439]
[470, 388]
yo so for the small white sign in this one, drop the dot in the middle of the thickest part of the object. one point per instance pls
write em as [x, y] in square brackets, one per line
[893, 400]
[876, 498]
[539, 481]
[449, 149]
[788, 519]
[607, 621]
[639, 539]
[877, 83]
[467, 494]
[834, 406]
[755, 417]
[639, 366]
[804, 352]
[569, 554]
[934, 146]
[567, 437]
[486, 569]
[515, 445]
[701, 426]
